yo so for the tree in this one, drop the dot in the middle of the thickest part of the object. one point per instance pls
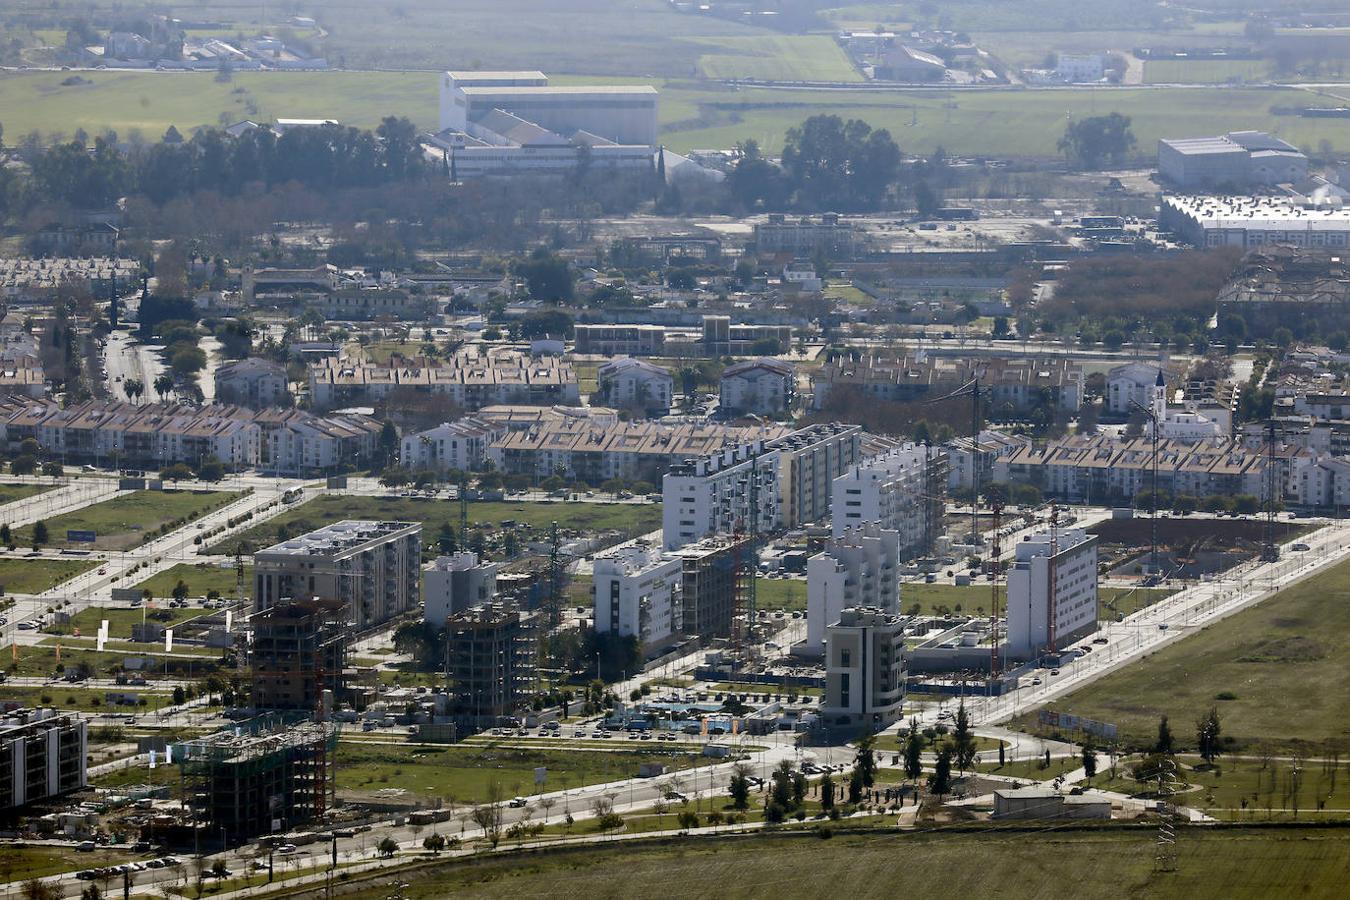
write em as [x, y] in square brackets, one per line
[865, 760]
[1207, 731]
[755, 181]
[827, 793]
[434, 843]
[739, 788]
[1164, 742]
[940, 782]
[179, 695]
[445, 540]
[24, 464]
[6, 536]
[781, 794]
[489, 816]
[164, 385]
[388, 443]
[913, 752]
[91, 893]
[1089, 760]
[1098, 139]
[834, 164]
[963, 739]
[855, 787]
[40, 535]
[388, 847]
[176, 473]
[547, 276]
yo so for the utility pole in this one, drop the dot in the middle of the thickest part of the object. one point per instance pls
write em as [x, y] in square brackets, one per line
[1270, 552]
[995, 553]
[555, 577]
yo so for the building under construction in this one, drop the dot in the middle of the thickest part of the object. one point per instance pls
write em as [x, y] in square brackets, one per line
[714, 585]
[299, 651]
[262, 777]
[490, 653]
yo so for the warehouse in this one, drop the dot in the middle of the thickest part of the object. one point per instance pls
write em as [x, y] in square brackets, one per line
[621, 114]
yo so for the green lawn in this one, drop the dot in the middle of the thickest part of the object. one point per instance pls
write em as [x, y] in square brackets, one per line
[81, 699]
[200, 578]
[694, 113]
[797, 57]
[12, 492]
[1109, 863]
[466, 773]
[787, 594]
[41, 660]
[976, 599]
[33, 576]
[1284, 663]
[324, 510]
[38, 862]
[131, 519]
[1207, 71]
[121, 620]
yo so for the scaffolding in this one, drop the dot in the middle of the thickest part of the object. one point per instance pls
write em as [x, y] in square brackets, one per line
[266, 775]
[299, 651]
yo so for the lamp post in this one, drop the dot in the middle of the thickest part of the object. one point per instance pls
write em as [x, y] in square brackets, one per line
[1153, 499]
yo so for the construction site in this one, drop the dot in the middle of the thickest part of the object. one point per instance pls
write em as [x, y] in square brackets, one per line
[298, 654]
[267, 775]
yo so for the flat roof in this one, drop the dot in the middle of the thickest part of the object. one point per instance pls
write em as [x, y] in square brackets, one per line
[1196, 146]
[494, 76]
[561, 90]
[1259, 213]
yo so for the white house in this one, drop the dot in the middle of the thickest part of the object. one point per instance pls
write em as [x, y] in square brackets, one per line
[758, 386]
[629, 383]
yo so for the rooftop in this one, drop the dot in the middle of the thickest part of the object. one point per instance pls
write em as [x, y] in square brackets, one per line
[335, 539]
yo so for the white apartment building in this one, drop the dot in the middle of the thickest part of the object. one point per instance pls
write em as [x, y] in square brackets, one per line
[788, 480]
[1052, 593]
[859, 568]
[1132, 383]
[638, 593]
[462, 445]
[968, 457]
[899, 489]
[758, 386]
[865, 671]
[372, 567]
[43, 754]
[629, 383]
[452, 584]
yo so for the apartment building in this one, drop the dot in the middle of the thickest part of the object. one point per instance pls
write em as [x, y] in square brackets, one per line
[638, 592]
[596, 450]
[299, 650]
[859, 568]
[1015, 387]
[461, 445]
[374, 568]
[969, 459]
[865, 671]
[620, 340]
[784, 482]
[902, 490]
[1052, 592]
[255, 383]
[300, 443]
[471, 380]
[43, 755]
[763, 387]
[708, 585]
[455, 583]
[632, 384]
[805, 236]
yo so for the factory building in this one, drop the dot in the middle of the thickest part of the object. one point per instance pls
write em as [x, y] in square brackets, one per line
[1255, 222]
[1233, 161]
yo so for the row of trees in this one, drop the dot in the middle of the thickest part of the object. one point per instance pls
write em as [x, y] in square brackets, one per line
[324, 157]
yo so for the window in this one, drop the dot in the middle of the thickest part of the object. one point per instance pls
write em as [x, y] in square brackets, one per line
[845, 658]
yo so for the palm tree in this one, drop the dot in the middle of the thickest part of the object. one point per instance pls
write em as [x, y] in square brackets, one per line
[164, 386]
[133, 387]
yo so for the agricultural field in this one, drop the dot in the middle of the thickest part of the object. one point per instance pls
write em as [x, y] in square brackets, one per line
[1208, 71]
[316, 513]
[200, 578]
[694, 113]
[466, 774]
[129, 520]
[1277, 673]
[1222, 864]
[33, 576]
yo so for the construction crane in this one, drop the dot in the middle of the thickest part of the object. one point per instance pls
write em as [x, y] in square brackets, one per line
[1051, 612]
[995, 561]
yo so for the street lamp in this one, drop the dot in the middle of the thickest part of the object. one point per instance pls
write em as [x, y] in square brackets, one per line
[1153, 499]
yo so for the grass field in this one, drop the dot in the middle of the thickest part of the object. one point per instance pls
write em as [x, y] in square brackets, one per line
[976, 599]
[39, 862]
[467, 773]
[432, 513]
[86, 621]
[787, 594]
[200, 579]
[694, 113]
[1232, 864]
[12, 492]
[129, 520]
[807, 57]
[1207, 71]
[33, 576]
[1285, 663]
[81, 699]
